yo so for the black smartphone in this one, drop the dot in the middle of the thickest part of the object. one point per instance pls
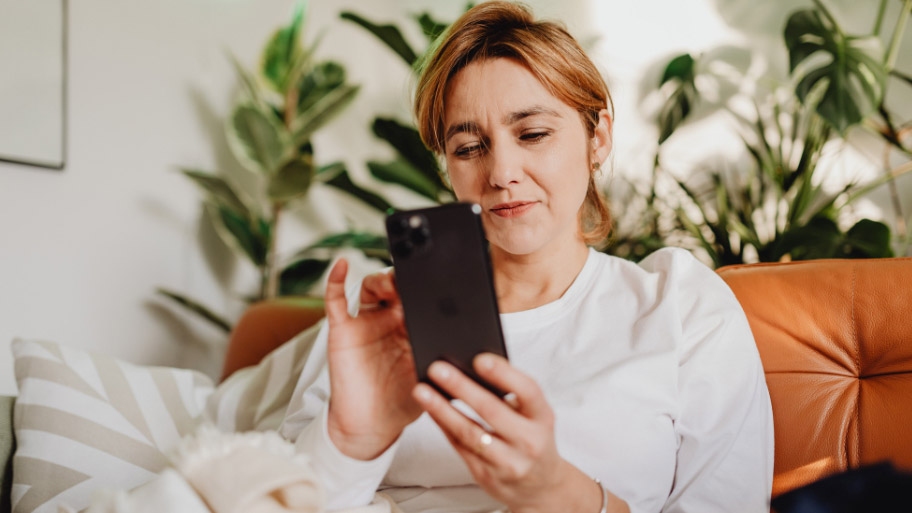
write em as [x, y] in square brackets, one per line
[444, 278]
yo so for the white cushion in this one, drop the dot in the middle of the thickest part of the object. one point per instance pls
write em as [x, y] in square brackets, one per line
[85, 422]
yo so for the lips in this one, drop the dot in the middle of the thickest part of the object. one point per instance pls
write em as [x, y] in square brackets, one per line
[513, 208]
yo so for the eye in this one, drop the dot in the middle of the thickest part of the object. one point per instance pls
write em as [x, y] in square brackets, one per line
[468, 150]
[535, 136]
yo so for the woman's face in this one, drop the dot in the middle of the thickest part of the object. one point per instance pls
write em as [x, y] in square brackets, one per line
[520, 153]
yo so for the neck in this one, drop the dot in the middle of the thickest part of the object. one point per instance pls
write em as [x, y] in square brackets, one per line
[528, 281]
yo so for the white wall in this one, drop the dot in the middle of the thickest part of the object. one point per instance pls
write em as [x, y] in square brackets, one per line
[82, 250]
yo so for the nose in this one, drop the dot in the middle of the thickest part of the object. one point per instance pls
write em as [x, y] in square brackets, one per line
[504, 166]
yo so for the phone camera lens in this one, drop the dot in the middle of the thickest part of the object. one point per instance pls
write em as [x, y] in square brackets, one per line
[403, 248]
[398, 226]
[420, 235]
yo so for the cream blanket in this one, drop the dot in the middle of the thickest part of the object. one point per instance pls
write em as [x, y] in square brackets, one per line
[215, 472]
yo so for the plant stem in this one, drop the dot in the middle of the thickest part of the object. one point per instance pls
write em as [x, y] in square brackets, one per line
[895, 140]
[826, 12]
[878, 23]
[291, 105]
[271, 271]
[893, 52]
[902, 76]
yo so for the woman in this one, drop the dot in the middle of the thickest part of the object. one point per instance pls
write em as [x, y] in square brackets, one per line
[638, 388]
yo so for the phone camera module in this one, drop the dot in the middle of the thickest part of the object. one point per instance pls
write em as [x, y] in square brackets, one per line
[403, 249]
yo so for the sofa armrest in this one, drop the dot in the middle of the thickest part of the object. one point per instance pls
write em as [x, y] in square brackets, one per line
[7, 448]
[267, 325]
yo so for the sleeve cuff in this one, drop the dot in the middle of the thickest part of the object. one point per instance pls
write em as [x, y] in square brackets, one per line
[348, 482]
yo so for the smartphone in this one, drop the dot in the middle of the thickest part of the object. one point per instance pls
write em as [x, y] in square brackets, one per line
[444, 278]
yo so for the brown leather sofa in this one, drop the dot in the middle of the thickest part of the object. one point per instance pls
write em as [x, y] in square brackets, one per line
[835, 337]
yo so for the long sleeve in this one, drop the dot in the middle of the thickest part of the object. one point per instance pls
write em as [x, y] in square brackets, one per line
[725, 425]
[348, 482]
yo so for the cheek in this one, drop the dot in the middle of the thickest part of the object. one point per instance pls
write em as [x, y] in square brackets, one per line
[464, 182]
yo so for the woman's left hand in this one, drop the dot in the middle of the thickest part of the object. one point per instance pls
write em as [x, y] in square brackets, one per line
[517, 461]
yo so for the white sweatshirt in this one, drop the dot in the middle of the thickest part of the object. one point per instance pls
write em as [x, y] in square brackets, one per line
[655, 382]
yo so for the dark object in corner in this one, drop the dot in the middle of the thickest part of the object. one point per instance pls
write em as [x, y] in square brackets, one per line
[875, 488]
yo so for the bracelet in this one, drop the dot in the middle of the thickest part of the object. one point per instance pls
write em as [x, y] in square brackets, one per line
[604, 495]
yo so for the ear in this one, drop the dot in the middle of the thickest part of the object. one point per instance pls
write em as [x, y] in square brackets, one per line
[601, 138]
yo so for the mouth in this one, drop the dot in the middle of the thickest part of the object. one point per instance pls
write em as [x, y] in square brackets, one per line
[512, 209]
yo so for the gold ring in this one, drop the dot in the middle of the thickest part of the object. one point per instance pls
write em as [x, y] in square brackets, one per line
[483, 442]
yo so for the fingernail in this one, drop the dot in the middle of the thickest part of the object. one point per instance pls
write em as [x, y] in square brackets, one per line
[485, 361]
[439, 370]
[423, 393]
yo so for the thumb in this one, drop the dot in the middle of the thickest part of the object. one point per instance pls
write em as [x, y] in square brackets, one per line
[336, 303]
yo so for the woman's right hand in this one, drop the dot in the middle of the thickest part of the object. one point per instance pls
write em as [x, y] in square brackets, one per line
[371, 369]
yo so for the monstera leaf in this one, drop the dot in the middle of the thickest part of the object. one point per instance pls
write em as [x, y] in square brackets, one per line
[849, 69]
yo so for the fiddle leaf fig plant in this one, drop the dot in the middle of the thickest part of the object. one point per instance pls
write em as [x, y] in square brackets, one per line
[416, 168]
[282, 104]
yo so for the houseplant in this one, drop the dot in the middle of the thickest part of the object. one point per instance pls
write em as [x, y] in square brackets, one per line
[778, 210]
[283, 102]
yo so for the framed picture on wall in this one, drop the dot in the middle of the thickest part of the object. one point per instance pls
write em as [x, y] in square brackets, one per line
[33, 71]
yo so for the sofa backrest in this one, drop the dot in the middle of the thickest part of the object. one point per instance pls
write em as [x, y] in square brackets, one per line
[835, 337]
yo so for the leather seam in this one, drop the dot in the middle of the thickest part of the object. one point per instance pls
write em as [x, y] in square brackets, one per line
[855, 434]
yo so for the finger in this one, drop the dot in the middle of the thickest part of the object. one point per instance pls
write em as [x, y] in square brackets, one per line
[335, 302]
[464, 434]
[529, 399]
[496, 413]
[377, 288]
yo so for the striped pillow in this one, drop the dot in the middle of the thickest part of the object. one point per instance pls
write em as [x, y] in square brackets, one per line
[256, 398]
[84, 421]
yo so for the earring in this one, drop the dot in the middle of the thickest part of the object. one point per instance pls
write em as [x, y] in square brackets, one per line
[596, 166]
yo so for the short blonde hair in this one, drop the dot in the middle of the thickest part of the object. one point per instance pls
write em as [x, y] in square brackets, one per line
[505, 29]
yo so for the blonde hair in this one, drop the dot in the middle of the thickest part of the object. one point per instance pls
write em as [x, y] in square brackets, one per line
[505, 29]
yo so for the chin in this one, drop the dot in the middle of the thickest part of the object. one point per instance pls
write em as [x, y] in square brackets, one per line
[516, 244]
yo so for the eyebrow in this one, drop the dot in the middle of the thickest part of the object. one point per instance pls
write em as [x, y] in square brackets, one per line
[471, 127]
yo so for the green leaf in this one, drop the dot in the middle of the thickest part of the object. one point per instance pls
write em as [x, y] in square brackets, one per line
[196, 308]
[300, 276]
[322, 111]
[293, 179]
[329, 171]
[249, 81]
[849, 69]
[318, 82]
[430, 27]
[372, 245]
[389, 34]
[219, 190]
[696, 232]
[819, 238]
[868, 239]
[246, 235]
[402, 173]
[282, 51]
[351, 239]
[343, 182]
[407, 141]
[680, 102]
[257, 138]
[681, 67]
